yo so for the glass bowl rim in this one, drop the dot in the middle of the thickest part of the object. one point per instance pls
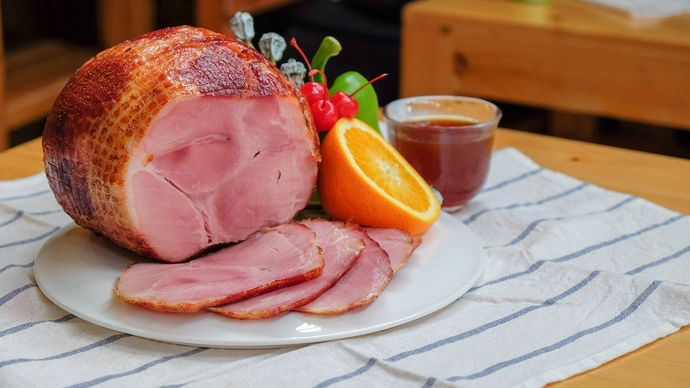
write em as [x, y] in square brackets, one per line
[498, 114]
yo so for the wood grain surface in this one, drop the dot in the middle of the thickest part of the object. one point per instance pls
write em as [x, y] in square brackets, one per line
[21, 161]
[565, 55]
[32, 77]
[125, 19]
[35, 77]
[660, 179]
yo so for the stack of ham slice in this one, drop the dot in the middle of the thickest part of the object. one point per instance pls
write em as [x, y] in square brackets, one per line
[342, 245]
[359, 287]
[279, 257]
[314, 266]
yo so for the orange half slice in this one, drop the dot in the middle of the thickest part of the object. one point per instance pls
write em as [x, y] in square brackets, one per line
[363, 179]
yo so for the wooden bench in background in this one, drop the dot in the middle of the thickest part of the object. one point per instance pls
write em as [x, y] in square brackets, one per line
[31, 79]
[570, 56]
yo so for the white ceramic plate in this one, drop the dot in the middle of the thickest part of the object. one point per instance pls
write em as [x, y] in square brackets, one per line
[77, 271]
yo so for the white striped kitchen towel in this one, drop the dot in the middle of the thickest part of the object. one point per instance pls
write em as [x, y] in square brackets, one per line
[576, 276]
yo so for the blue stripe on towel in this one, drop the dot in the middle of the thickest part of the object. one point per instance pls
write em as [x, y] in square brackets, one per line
[29, 265]
[534, 224]
[45, 212]
[512, 180]
[348, 376]
[33, 239]
[429, 382]
[102, 379]
[8, 297]
[492, 324]
[83, 349]
[466, 334]
[547, 349]
[474, 217]
[28, 325]
[21, 213]
[579, 253]
[175, 385]
[659, 262]
[15, 218]
[36, 194]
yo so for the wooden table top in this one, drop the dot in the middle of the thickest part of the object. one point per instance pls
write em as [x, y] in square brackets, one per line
[660, 179]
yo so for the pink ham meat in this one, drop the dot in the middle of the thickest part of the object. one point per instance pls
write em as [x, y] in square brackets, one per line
[179, 140]
[341, 244]
[279, 257]
[397, 243]
[361, 285]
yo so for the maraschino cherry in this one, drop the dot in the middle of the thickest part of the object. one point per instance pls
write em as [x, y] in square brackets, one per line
[312, 90]
[324, 110]
[347, 105]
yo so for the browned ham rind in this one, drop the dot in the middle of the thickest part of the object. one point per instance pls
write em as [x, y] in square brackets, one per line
[279, 257]
[341, 244]
[179, 140]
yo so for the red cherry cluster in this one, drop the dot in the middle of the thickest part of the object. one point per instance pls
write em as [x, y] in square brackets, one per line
[327, 111]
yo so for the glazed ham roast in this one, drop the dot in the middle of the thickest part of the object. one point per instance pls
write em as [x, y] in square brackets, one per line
[179, 140]
[314, 266]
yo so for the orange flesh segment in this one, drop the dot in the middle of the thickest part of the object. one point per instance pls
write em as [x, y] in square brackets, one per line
[378, 164]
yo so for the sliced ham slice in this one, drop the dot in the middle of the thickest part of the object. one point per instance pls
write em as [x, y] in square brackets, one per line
[361, 285]
[399, 244]
[341, 244]
[279, 257]
[179, 140]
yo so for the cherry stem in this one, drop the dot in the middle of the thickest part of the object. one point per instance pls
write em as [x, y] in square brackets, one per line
[325, 81]
[293, 43]
[368, 83]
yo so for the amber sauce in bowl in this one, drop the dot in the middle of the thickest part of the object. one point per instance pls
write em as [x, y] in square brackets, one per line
[455, 164]
[448, 140]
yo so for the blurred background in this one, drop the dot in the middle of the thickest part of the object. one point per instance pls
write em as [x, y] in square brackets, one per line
[568, 68]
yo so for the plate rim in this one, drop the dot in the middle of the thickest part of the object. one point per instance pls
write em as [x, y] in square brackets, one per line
[479, 261]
